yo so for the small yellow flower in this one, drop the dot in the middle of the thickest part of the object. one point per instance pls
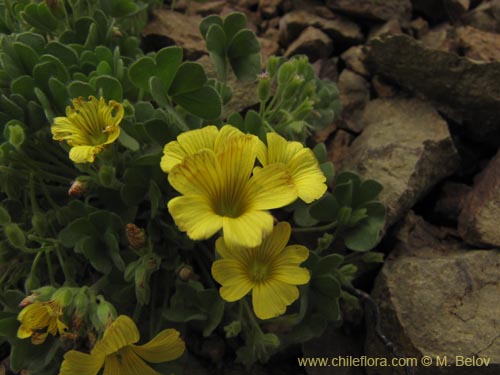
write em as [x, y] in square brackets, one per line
[88, 127]
[190, 142]
[118, 354]
[271, 271]
[300, 161]
[39, 319]
[218, 193]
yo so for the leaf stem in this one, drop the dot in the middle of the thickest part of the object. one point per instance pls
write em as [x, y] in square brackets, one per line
[322, 228]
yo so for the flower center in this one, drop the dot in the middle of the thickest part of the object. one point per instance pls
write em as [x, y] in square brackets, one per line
[259, 271]
[230, 203]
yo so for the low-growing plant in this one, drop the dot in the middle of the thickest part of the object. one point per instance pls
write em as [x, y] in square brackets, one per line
[132, 206]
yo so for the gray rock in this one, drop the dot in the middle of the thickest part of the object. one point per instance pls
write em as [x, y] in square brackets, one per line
[312, 42]
[179, 29]
[479, 220]
[437, 298]
[467, 91]
[485, 17]
[338, 28]
[338, 147]
[354, 95]
[354, 59]
[407, 147]
[451, 200]
[374, 9]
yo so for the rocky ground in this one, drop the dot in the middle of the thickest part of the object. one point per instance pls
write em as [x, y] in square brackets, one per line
[420, 86]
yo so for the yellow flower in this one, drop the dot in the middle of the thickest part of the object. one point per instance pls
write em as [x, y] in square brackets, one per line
[300, 161]
[190, 142]
[39, 319]
[271, 271]
[88, 127]
[218, 193]
[118, 354]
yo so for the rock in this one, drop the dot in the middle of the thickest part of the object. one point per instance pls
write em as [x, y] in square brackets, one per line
[323, 135]
[178, 29]
[202, 9]
[312, 42]
[336, 27]
[441, 37]
[374, 9]
[466, 91]
[391, 27]
[437, 298]
[338, 147]
[269, 8]
[479, 45]
[383, 88]
[333, 343]
[441, 10]
[354, 59]
[407, 147]
[354, 95]
[456, 8]
[327, 68]
[268, 47]
[244, 93]
[479, 220]
[451, 200]
[485, 17]
[419, 27]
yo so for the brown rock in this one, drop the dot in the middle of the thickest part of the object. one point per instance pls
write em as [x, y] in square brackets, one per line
[383, 88]
[338, 28]
[479, 45]
[324, 134]
[268, 47]
[437, 298]
[354, 95]
[269, 8]
[451, 200]
[441, 37]
[443, 9]
[374, 9]
[391, 27]
[312, 42]
[419, 27]
[338, 147]
[468, 92]
[485, 17]
[479, 221]
[354, 59]
[179, 29]
[407, 147]
[456, 8]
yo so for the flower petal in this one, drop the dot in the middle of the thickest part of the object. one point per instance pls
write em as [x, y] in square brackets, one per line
[194, 215]
[293, 255]
[271, 298]
[275, 242]
[248, 229]
[307, 176]
[81, 363]
[279, 150]
[165, 346]
[292, 275]
[188, 143]
[226, 132]
[23, 332]
[131, 364]
[271, 187]
[84, 154]
[119, 334]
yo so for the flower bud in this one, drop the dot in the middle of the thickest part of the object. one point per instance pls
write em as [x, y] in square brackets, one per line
[63, 296]
[16, 135]
[41, 294]
[293, 87]
[129, 273]
[233, 329]
[4, 216]
[136, 236]
[273, 63]
[15, 235]
[77, 188]
[81, 302]
[264, 88]
[286, 73]
[186, 273]
[106, 312]
[40, 223]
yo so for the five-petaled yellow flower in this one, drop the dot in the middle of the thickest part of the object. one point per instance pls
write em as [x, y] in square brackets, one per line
[271, 271]
[190, 142]
[88, 127]
[218, 192]
[118, 354]
[300, 161]
[39, 319]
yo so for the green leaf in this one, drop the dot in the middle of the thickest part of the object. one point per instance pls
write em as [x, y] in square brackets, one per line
[24, 86]
[328, 264]
[59, 93]
[80, 88]
[8, 328]
[34, 40]
[244, 43]
[302, 216]
[154, 195]
[366, 235]
[325, 209]
[168, 61]
[114, 250]
[246, 68]
[216, 45]
[141, 71]
[320, 152]
[368, 191]
[204, 102]
[160, 131]
[327, 285]
[253, 124]
[128, 141]
[110, 87]
[190, 77]
[25, 355]
[233, 23]
[91, 249]
[75, 230]
[66, 54]
[158, 91]
[343, 194]
[27, 55]
[207, 22]
[211, 302]
[328, 170]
